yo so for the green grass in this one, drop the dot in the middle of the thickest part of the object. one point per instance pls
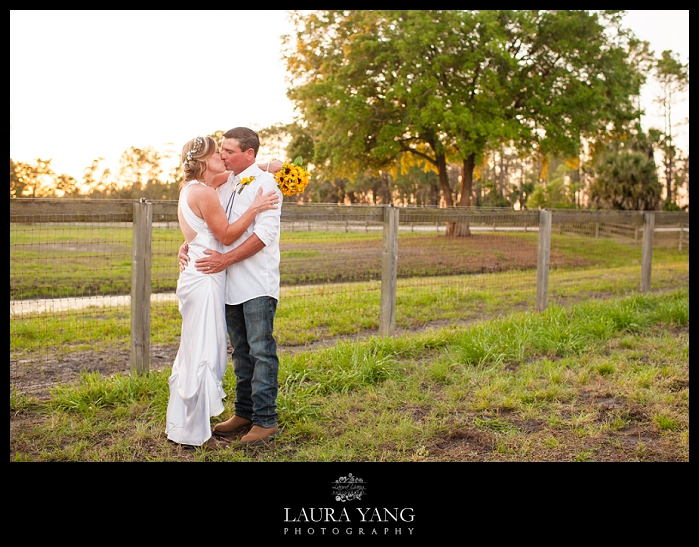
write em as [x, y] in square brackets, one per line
[602, 380]
[473, 373]
[309, 315]
[57, 261]
[64, 261]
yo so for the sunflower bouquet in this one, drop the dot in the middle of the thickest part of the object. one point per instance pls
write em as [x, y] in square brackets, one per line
[292, 178]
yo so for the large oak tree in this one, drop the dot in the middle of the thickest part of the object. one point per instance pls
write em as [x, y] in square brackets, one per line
[448, 85]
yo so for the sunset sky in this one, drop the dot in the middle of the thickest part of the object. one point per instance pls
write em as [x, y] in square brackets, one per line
[89, 84]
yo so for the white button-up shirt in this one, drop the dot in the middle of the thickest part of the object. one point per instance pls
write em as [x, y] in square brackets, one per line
[257, 275]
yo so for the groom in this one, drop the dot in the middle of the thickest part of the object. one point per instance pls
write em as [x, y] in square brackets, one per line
[252, 291]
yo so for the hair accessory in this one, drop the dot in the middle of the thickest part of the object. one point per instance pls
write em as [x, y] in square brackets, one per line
[196, 149]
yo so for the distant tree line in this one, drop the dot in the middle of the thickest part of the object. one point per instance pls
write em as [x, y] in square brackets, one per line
[140, 174]
[488, 108]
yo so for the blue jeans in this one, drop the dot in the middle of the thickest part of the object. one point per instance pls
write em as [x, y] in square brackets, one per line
[255, 360]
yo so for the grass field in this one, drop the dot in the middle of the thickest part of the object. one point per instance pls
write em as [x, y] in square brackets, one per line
[606, 380]
[72, 261]
[472, 374]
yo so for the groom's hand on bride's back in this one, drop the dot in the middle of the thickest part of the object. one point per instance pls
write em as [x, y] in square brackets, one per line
[211, 263]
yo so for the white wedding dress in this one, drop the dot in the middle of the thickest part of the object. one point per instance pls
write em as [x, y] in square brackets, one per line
[196, 391]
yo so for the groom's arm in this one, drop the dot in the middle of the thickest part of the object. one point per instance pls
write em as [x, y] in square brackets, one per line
[219, 262]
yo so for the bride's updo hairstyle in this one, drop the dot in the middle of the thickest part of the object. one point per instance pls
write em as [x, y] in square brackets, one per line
[194, 156]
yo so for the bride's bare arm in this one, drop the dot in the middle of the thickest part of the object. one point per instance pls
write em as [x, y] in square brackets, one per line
[271, 167]
[226, 233]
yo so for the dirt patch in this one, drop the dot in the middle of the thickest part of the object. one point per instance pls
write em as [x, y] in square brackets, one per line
[36, 377]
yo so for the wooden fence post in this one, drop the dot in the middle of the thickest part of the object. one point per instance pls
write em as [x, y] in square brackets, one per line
[647, 250]
[543, 260]
[681, 235]
[389, 272]
[140, 286]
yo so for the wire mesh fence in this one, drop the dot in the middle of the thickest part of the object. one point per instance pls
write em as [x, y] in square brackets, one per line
[71, 273]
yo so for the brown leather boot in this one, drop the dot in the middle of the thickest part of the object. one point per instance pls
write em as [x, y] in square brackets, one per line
[231, 426]
[259, 435]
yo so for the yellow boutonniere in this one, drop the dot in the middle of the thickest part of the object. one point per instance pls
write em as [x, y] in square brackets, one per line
[244, 182]
[292, 178]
